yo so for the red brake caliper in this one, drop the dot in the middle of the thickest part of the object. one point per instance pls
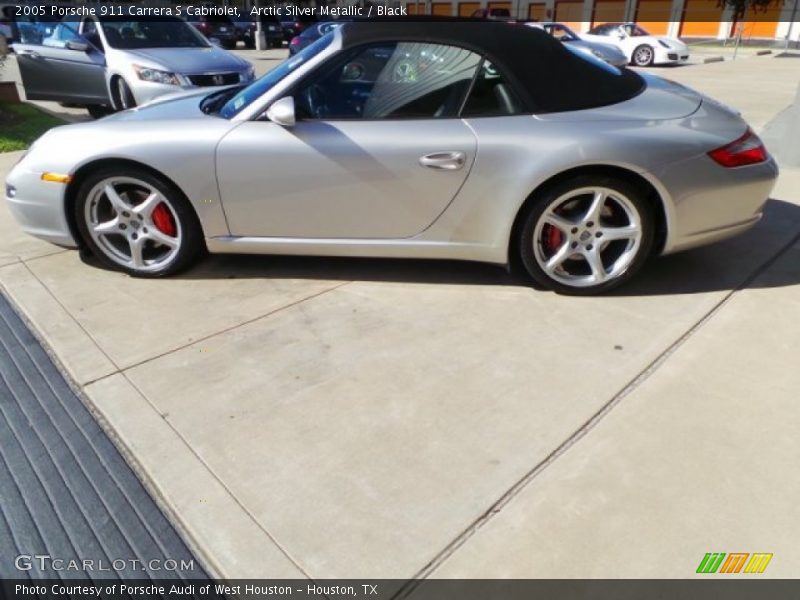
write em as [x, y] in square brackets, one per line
[162, 219]
[553, 239]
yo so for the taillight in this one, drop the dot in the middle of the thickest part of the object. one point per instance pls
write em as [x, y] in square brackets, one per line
[747, 150]
[295, 41]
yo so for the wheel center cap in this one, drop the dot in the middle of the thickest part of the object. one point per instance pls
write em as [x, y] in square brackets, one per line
[585, 236]
[135, 224]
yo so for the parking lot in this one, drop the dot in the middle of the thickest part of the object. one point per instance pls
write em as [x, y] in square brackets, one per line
[307, 417]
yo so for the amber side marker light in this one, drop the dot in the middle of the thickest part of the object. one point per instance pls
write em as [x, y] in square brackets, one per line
[56, 177]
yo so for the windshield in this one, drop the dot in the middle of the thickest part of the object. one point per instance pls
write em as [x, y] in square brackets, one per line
[162, 33]
[261, 86]
[561, 32]
[590, 58]
[635, 30]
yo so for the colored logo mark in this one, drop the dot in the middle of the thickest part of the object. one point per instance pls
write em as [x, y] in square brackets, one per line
[735, 562]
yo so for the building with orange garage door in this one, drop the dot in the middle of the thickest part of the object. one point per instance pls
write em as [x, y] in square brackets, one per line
[682, 18]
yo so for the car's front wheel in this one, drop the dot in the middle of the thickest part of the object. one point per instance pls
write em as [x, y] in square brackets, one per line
[123, 96]
[98, 111]
[643, 56]
[586, 235]
[137, 222]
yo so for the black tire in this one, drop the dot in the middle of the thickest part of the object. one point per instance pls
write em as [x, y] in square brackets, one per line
[526, 244]
[191, 245]
[249, 43]
[123, 96]
[643, 56]
[98, 111]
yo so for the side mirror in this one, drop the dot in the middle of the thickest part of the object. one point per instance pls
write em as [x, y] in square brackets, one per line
[282, 112]
[76, 45]
[621, 35]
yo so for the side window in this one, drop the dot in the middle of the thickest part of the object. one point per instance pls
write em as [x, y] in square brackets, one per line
[491, 96]
[402, 80]
[91, 34]
[61, 34]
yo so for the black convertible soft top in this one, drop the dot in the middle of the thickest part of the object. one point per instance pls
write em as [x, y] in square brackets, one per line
[547, 76]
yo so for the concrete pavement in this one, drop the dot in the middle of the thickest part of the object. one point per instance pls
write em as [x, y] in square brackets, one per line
[359, 418]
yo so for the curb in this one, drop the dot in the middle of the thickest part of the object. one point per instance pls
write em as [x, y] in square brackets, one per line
[713, 59]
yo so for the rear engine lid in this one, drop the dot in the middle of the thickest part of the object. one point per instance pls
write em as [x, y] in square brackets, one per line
[662, 99]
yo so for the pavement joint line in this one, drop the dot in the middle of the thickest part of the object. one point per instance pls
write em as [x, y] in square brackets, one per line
[67, 444]
[411, 584]
[121, 370]
[245, 510]
[126, 453]
[92, 442]
[71, 316]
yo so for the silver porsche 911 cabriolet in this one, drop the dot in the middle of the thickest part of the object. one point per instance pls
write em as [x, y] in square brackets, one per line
[476, 141]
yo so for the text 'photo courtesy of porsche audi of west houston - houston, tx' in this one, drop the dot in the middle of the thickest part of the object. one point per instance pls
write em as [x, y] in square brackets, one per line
[475, 141]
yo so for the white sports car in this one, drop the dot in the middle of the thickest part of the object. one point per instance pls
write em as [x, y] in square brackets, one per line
[641, 48]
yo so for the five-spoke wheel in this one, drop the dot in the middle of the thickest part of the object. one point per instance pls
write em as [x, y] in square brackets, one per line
[137, 222]
[587, 235]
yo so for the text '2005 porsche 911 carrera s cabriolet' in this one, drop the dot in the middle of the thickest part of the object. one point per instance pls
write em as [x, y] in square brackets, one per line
[476, 141]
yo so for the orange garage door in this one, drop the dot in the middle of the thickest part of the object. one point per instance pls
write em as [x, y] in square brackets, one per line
[465, 9]
[654, 15]
[569, 13]
[608, 11]
[537, 12]
[442, 9]
[505, 5]
[701, 18]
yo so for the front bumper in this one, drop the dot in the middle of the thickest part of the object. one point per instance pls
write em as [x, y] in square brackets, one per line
[38, 206]
[670, 56]
[145, 91]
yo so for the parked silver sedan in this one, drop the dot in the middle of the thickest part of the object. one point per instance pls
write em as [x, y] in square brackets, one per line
[607, 52]
[114, 63]
[407, 140]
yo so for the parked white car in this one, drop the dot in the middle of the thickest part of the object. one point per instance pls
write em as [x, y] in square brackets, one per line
[641, 48]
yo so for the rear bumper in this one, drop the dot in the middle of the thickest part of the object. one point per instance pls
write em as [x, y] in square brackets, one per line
[711, 203]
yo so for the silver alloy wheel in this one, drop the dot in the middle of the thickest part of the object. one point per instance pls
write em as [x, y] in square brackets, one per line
[119, 214]
[643, 56]
[587, 236]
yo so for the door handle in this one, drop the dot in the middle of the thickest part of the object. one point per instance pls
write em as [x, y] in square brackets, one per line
[444, 161]
[31, 53]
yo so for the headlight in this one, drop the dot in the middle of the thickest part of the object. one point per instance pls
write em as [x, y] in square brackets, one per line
[665, 44]
[156, 76]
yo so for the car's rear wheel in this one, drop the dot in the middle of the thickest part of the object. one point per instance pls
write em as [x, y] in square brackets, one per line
[124, 98]
[643, 56]
[586, 235]
[137, 222]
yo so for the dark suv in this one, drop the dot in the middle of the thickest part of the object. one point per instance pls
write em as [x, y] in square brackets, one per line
[271, 26]
[219, 27]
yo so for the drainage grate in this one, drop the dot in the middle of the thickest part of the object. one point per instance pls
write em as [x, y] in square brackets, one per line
[66, 493]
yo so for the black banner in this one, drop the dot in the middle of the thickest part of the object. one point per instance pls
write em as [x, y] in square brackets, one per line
[715, 587]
